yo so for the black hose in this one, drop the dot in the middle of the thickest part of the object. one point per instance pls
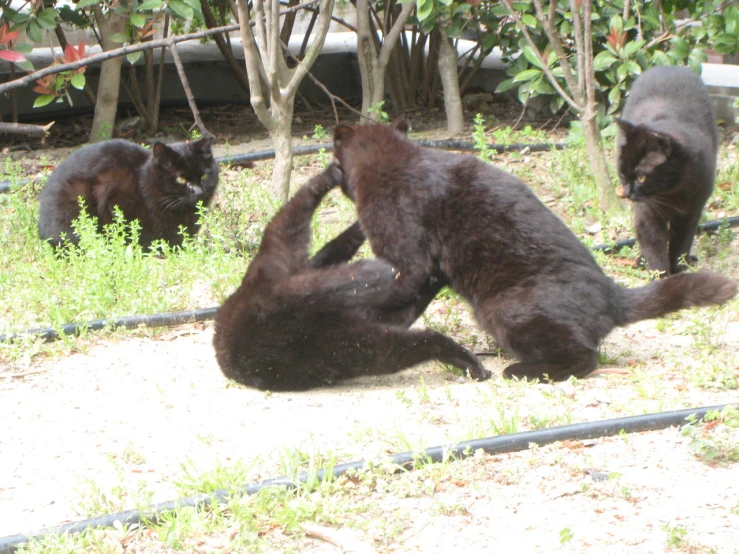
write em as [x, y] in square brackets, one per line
[404, 461]
[5, 186]
[127, 322]
[206, 314]
[707, 227]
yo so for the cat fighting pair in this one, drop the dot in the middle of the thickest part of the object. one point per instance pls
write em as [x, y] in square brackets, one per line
[433, 218]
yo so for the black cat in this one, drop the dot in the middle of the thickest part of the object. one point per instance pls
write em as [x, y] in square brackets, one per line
[532, 283]
[298, 322]
[160, 188]
[667, 148]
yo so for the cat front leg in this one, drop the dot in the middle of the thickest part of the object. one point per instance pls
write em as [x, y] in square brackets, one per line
[341, 249]
[652, 236]
[682, 233]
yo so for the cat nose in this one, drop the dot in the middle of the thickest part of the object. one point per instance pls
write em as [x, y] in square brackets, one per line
[194, 189]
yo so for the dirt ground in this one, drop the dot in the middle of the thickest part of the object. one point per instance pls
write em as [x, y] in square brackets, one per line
[134, 407]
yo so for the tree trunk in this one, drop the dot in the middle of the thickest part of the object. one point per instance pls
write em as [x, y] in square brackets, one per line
[372, 87]
[106, 103]
[450, 84]
[609, 202]
[281, 135]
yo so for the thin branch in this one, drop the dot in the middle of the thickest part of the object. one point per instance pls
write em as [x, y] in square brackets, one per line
[392, 36]
[324, 20]
[332, 97]
[130, 49]
[254, 66]
[25, 129]
[551, 32]
[306, 36]
[186, 87]
[545, 68]
[579, 38]
[588, 40]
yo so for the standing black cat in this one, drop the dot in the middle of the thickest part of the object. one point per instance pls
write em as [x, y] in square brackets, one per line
[297, 322]
[160, 187]
[667, 149]
[532, 283]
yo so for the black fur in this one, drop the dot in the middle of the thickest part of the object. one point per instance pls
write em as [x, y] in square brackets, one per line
[160, 188]
[532, 284]
[667, 148]
[297, 322]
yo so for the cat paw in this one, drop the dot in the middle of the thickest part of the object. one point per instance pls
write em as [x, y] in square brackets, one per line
[479, 373]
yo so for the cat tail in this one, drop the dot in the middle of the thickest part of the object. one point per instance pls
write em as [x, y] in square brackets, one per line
[362, 283]
[674, 293]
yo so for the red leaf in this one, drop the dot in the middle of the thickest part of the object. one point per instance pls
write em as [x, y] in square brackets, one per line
[81, 49]
[11, 56]
[5, 36]
[42, 90]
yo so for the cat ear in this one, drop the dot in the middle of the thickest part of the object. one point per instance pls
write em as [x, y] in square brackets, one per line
[160, 150]
[659, 142]
[203, 145]
[400, 124]
[342, 132]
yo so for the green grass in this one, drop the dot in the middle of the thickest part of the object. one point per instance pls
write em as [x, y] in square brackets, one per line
[109, 275]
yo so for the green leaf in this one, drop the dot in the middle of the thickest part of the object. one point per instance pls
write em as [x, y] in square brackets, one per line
[529, 54]
[25, 65]
[78, 81]
[505, 85]
[633, 67]
[150, 5]
[603, 59]
[185, 11]
[34, 31]
[425, 9]
[43, 100]
[133, 57]
[680, 47]
[138, 20]
[194, 4]
[617, 23]
[630, 48]
[23, 48]
[614, 97]
[84, 3]
[70, 16]
[119, 37]
[527, 75]
[529, 20]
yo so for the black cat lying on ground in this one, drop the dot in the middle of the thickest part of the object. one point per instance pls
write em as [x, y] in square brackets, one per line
[160, 187]
[297, 322]
[667, 145]
[533, 285]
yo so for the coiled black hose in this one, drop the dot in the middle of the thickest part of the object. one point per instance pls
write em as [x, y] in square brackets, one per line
[404, 461]
[5, 186]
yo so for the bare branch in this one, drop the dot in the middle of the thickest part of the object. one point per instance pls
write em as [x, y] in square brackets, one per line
[188, 92]
[579, 38]
[391, 37]
[564, 62]
[324, 20]
[130, 49]
[24, 129]
[254, 66]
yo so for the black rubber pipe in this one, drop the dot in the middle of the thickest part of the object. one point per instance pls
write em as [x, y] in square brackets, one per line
[177, 318]
[5, 186]
[404, 461]
[706, 227]
[128, 322]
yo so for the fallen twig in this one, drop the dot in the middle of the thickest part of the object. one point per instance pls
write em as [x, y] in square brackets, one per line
[26, 129]
[343, 538]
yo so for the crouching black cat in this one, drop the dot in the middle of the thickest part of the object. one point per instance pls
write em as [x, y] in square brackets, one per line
[532, 283]
[298, 322]
[160, 188]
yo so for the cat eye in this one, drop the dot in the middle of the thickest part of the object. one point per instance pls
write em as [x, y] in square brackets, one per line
[181, 181]
[641, 178]
[205, 175]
